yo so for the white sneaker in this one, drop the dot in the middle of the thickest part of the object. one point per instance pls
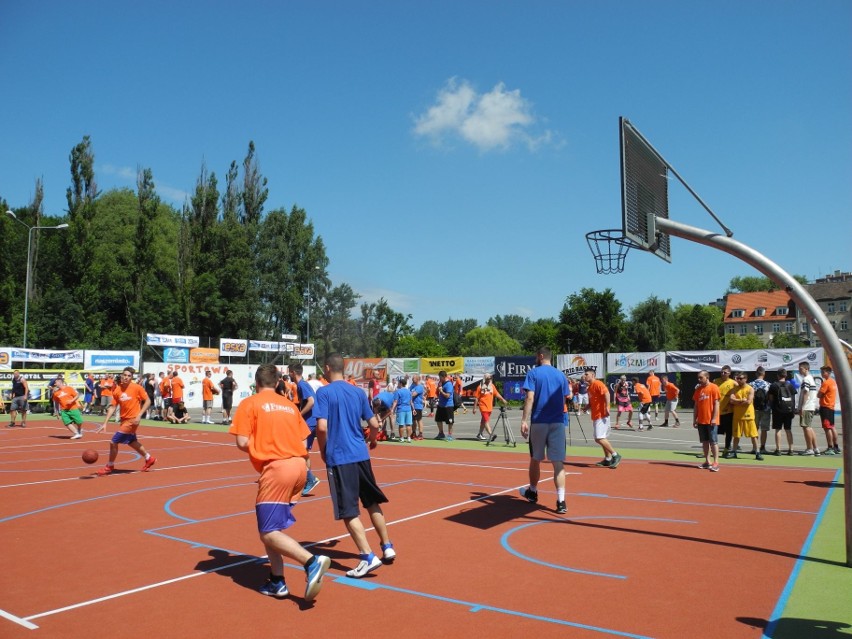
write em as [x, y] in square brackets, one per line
[77, 436]
[366, 566]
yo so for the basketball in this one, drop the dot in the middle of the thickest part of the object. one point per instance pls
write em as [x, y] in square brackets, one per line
[90, 456]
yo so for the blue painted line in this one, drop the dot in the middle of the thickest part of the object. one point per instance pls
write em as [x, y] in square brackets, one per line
[784, 599]
[170, 511]
[102, 497]
[372, 584]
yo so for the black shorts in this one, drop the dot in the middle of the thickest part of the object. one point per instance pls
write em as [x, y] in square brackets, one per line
[418, 414]
[444, 414]
[167, 402]
[350, 483]
[782, 420]
[726, 424]
[227, 400]
[826, 417]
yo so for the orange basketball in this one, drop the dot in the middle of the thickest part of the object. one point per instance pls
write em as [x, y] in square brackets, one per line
[90, 456]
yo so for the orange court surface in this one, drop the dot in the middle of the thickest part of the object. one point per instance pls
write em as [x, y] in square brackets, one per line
[650, 549]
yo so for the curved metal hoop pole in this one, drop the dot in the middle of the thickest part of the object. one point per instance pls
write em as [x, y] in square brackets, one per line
[821, 325]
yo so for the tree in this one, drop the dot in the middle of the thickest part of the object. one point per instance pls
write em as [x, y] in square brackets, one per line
[697, 327]
[591, 322]
[416, 346]
[515, 326]
[542, 332]
[743, 342]
[81, 197]
[650, 325]
[787, 340]
[333, 321]
[451, 334]
[757, 283]
[488, 340]
[380, 328]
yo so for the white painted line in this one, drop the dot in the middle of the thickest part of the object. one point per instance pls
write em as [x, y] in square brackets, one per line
[21, 622]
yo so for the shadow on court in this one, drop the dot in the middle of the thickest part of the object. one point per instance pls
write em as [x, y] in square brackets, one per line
[795, 628]
[490, 511]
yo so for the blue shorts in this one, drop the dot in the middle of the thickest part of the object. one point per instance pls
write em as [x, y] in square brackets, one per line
[123, 438]
[309, 442]
[403, 418]
[707, 433]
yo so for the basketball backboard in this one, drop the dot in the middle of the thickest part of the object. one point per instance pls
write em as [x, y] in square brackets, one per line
[644, 191]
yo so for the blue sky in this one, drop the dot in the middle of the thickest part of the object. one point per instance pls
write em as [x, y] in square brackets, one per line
[452, 155]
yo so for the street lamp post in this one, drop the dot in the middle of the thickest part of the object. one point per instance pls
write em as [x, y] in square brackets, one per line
[30, 230]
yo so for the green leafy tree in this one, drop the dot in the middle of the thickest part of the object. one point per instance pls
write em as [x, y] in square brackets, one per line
[380, 329]
[650, 325]
[333, 321]
[743, 342]
[591, 322]
[416, 346]
[430, 329]
[488, 340]
[515, 326]
[697, 327]
[81, 239]
[542, 332]
[757, 283]
[787, 340]
[452, 332]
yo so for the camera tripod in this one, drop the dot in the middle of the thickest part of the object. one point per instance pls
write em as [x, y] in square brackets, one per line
[579, 423]
[507, 429]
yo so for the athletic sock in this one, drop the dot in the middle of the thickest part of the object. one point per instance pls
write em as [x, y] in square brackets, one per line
[147, 456]
[560, 494]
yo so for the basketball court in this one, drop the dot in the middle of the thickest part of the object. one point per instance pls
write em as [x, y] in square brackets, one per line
[174, 551]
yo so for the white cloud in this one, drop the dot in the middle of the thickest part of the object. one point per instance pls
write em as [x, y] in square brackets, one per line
[171, 193]
[125, 172]
[494, 120]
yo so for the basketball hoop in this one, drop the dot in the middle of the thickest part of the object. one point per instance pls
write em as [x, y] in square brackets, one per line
[609, 248]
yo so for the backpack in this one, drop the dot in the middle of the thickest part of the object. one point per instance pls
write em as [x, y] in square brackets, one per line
[760, 398]
[784, 399]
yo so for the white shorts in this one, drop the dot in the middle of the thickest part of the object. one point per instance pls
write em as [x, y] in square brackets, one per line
[582, 399]
[602, 427]
[671, 405]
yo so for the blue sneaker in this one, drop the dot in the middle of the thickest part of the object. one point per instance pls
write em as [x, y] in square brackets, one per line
[310, 486]
[274, 588]
[313, 575]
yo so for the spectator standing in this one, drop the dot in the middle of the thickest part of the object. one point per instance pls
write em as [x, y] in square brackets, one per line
[20, 399]
[706, 419]
[623, 402]
[827, 398]
[208, 390]
[672, 393]
[305, 400]
[484, 400]
[446, 408]
[762, 410]
[741, 398]
[599, 401]
[781, 397]
[228, 385]
[726, 411]
[417, 393]
[655, 387]
[644, 402]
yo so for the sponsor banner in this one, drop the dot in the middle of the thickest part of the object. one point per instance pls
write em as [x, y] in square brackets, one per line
[184, 341]
[400, 367]
[176, 355]
[692, 361]
[300, 351]
[617, 363]
[5, 358]
[575, 364]
[512, 371]
[770, 359]
[110, 360]
[203, 356]
[233, 347]
[193, 375]
[746, 360]
[260, 345]
[438, 364]
[43, 355]
[289, 338]
[38, 382]
[364, 370]
[478, 365]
